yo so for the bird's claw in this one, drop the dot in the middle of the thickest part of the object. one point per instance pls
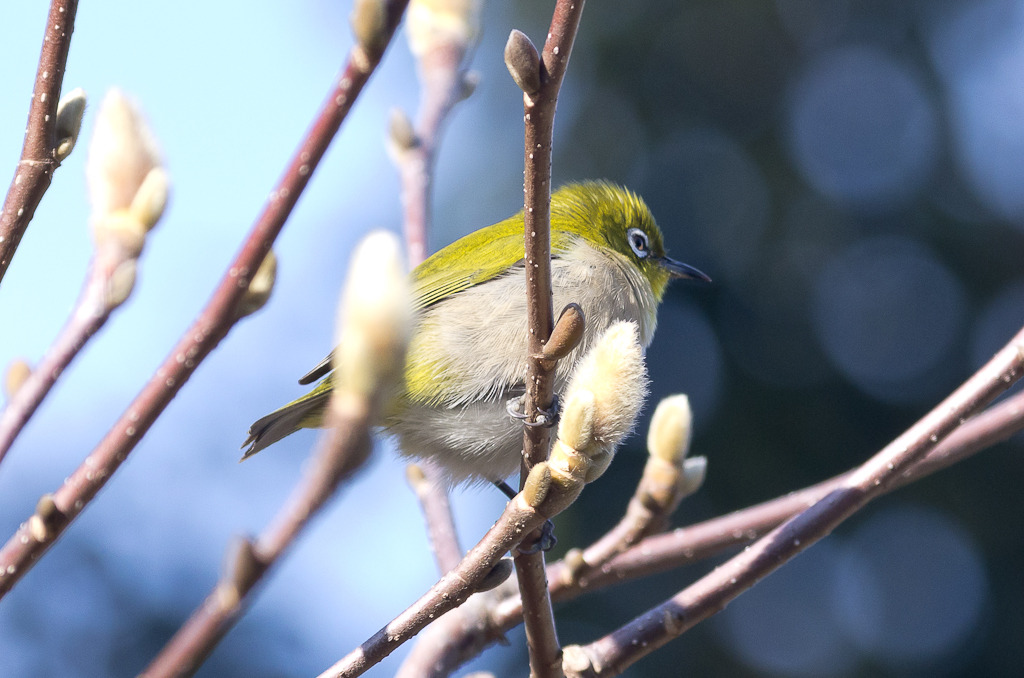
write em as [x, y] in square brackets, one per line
[545, 543]
[546, 418]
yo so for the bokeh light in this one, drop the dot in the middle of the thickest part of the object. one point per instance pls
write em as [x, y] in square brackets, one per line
[910, 589]
[785, 625]
[978, 51]
[862, 128]
[888, 313]
[903, 593]
[1000, 319]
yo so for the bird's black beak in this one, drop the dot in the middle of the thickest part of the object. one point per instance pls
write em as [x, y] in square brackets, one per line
[678, 269]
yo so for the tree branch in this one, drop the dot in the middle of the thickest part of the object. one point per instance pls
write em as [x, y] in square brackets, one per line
[618, 650]
[703, 540]
[344, 448]
[24, 548]
[128, 190]
[539, 115]
[440, 34]
[464, 633]
[38, 154]
[373, 332]
[453, 589]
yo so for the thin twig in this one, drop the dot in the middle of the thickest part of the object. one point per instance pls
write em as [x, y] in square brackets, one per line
[427, 481]
[91, 312]
[89, 315]
[454, 639]
[693, 543]
[343, 450]
[453, 589]
[618, 650]
[24, 548]
[539, 116]
[440, 37]
[38, 160]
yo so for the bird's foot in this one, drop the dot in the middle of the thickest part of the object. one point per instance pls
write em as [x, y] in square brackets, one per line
[546, 418]
[547, 539]
[545, 542]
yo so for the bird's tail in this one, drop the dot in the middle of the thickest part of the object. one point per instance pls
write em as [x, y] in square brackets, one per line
[306, 412]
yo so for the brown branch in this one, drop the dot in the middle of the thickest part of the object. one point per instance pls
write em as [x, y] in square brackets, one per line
[427, 481]
[23, 550]
[89, 315]
[549, 490]
[440, 36]
[38, 154]
[540, 80]
[454, 639]
[464, 633]
[618, 650]
[453, 589]
[127, 203]
[345, 447]
[539, 116]
[668, 478]
[703, 540]
[373, 334]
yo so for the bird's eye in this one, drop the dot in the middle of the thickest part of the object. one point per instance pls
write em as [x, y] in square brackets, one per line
[638, 242]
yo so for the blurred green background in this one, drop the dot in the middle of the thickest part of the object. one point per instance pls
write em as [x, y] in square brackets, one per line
[849, 173]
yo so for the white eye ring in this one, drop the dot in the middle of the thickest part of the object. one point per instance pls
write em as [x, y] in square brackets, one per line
[638, 242]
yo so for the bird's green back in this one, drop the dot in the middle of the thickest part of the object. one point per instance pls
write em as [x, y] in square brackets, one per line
[583, 210]
[474, 259]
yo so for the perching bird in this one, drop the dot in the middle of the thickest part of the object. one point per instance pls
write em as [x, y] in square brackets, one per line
[467, 356]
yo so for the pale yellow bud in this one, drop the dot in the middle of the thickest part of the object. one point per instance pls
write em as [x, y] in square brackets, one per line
[46, 520]
[121, 153]
[537, 485]
[121, 283]
[431, 24]
[599, 463]
[70, 110]
[151, 198]
[576, 424]
[613, 373]
[501, 571]
[668, 437]
[122, 230]
[369, 25]
[401, 134]
[375, 318]
[260, 287]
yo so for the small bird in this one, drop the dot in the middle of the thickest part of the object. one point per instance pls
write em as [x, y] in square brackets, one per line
[467, 356]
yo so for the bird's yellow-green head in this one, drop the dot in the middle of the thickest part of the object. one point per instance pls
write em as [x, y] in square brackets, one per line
[610, 217]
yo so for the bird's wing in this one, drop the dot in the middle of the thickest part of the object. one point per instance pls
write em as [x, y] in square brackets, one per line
[321, 370]
[471, 260]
